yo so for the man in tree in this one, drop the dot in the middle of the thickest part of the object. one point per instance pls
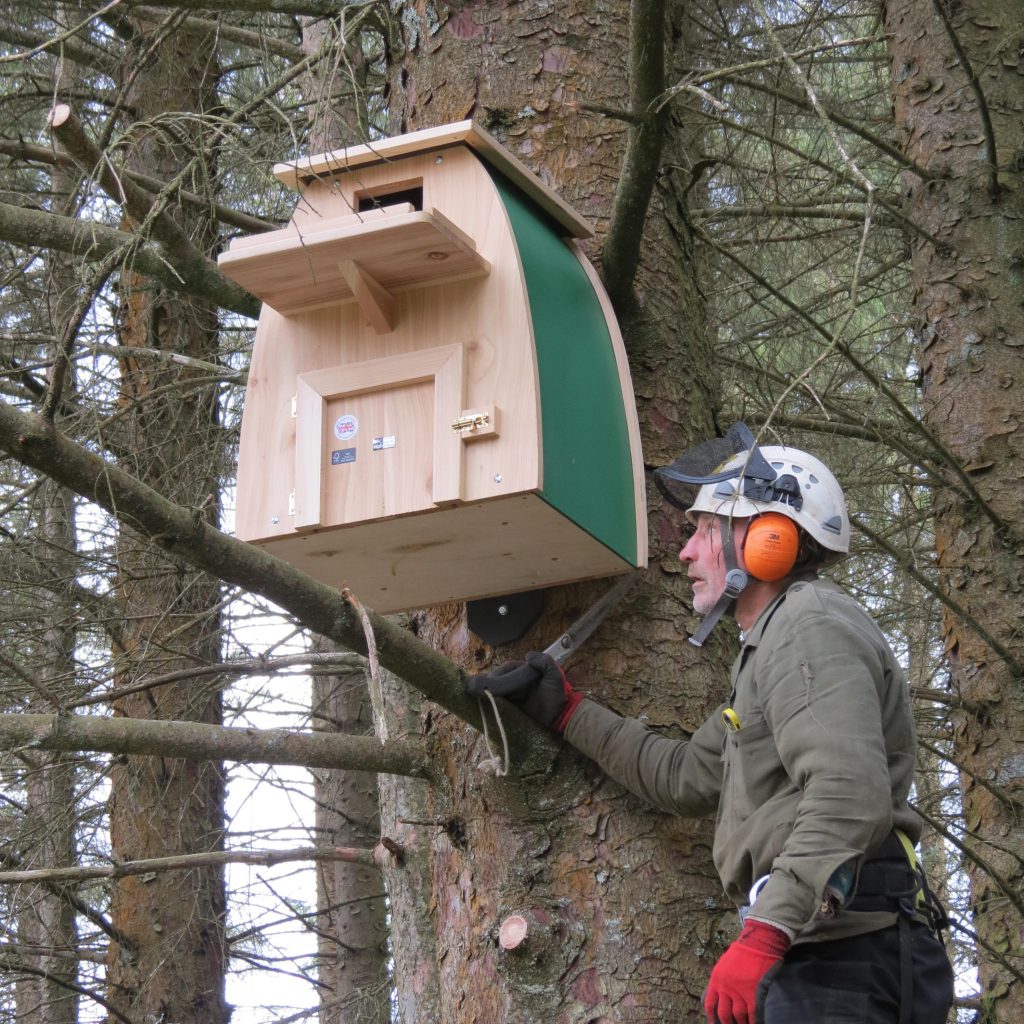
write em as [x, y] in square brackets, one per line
[808, 765]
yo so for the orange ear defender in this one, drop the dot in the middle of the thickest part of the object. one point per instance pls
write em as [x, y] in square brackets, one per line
[771, 546]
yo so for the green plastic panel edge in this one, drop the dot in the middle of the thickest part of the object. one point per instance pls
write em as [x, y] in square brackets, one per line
[588, 473]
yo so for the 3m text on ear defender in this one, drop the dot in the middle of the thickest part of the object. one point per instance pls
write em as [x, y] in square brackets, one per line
[771, 546]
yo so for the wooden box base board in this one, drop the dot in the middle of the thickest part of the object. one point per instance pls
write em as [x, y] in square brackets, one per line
[483, 549]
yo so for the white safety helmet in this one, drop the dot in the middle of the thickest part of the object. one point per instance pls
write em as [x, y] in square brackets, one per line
[804, 490]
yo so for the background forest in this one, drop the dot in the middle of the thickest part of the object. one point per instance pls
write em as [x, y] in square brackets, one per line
[810, 216]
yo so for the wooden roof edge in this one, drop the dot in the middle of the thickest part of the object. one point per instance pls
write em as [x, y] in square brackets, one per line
[298, 172]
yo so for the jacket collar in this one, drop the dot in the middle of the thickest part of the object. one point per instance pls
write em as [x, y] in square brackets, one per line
[752, 638]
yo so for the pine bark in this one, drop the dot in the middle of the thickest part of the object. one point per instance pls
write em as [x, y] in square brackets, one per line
[171, 959]
[959, 104]
[626, 909]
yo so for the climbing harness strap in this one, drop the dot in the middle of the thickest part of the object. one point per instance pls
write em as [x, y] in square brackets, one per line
[892, 879]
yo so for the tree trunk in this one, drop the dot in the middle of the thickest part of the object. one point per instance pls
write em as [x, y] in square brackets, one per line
[47, 934]
[967, 299]
[172, 965]
[620, 903]
[352, 928]
[46, 919]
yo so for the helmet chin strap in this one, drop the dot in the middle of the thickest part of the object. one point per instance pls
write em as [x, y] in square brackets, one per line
[736, 580]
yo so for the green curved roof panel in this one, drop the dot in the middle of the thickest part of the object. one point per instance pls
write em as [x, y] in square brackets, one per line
[588, 474]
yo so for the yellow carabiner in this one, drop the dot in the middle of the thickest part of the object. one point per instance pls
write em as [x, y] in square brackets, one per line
[732, 720]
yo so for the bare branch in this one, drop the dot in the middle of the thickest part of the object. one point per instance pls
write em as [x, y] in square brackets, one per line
[249, 667]
[259, 41]
[1013, 805]
[71, 47]
[321, 8]
[49, 157]
[197, 741]
[644, 142]
[184, 862]
[93, 241]
[58, 40]
[185, 535]
[936, 591]
[850, 124]
[1010, 891]
[14, 965]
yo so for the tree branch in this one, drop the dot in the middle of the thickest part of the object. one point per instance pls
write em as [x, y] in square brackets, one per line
[49, 157]
[185, 535]
[139, 204]
[13, 965]
[92, 241]
[1010, 891]
[1012, 805]
[251, 666]
[71, 47]
[145, 209]
[937, 592]
[850, 124]
[259, 41]
[197, 741]
[1003, 527]
[320, 8]
[183, 862]
[644, 142]
[830, 168]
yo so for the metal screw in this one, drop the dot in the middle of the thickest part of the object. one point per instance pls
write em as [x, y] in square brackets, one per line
[437, 255]
[497, 478]
[439, 160]
[503, 609]
[275, 520]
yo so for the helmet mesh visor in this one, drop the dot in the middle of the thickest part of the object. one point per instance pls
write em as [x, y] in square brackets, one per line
[702, 464]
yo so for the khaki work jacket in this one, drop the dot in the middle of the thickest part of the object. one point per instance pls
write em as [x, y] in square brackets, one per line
[816, 776]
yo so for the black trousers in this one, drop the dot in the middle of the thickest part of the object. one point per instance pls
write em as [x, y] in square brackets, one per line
[858, 980]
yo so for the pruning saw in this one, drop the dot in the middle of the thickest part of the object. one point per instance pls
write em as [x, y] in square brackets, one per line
[571, 640]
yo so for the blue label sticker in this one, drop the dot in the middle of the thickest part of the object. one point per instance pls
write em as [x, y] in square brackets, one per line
[340, 457]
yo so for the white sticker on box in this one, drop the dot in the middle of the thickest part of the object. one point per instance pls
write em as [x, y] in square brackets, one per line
[346, 427]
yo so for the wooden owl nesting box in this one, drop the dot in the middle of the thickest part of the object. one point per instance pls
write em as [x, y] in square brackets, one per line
[438, 405]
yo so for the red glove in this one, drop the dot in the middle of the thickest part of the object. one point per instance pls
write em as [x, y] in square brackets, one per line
[731, 994]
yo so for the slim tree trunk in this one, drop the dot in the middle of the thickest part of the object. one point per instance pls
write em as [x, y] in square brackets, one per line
[46, 920]
[959, 103]
[47, 936]
[352, 924]
[620, 903]
[171, 966]
[351, 921]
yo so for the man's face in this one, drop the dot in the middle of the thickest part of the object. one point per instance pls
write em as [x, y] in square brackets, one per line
[702, 555]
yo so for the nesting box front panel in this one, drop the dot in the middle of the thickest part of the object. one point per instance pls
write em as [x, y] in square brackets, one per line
[372, 435]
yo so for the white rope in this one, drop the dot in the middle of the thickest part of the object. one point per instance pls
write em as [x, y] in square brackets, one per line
[492, 763]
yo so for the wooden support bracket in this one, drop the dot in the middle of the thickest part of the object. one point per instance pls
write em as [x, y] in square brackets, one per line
[375, 301]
